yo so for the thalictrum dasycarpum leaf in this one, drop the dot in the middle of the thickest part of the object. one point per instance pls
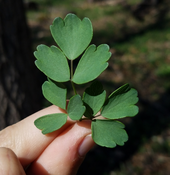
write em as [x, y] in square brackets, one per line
[72, 34]
[75, 108]
[52, 62]
[108, 133]
[92, 64]
[121, 103]
[51, 122]
[55, 93]
[94, 97]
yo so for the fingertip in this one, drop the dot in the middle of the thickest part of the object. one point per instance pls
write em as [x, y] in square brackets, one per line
[66, 153]
[86, 145]
[9, 163]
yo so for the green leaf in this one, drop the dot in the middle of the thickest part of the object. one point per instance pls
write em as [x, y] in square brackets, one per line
[108, 133]
[92, 64]
[121, 103]
[52, 62]
[55, 93]
[72, 35]
[51, 122]
[75, 108]
[94, 97]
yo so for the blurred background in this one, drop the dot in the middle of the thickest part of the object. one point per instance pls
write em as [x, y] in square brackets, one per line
[138, 33]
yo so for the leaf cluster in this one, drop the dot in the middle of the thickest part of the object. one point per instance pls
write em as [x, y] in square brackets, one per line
[73, 37]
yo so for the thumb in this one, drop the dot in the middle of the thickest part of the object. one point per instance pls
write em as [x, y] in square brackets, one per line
[66, 152]
[9, 163]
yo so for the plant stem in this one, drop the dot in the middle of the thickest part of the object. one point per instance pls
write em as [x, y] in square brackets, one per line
[73, 88]
[71, 69]
[72, 77]
[85, 119]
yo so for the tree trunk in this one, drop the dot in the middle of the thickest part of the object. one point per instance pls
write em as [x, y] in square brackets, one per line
[19, 87]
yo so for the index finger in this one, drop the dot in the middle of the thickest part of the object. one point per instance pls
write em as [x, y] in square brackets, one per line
[26, 140]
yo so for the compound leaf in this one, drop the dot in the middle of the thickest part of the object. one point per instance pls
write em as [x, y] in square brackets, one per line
[121, 103]
[75, 108]
[108, 133]
[72, 35]
[94, 97]
[92, 64]
[52, 62]
[51, 122]
[55, 93]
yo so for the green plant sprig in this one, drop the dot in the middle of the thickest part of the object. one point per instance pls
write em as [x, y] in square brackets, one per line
[73, 37]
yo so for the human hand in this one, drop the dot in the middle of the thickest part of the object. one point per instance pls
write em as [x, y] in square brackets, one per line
[24, 147]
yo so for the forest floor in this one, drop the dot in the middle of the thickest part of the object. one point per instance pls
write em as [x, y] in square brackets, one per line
[140, 46]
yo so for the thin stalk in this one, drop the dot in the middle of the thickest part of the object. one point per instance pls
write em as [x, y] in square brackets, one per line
[72, 77]
[71, 69]
[73, 88]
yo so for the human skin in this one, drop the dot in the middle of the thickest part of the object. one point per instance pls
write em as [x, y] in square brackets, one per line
[25, 150]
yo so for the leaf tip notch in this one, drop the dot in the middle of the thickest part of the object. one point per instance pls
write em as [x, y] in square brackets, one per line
[72, 35]
[52, 62]
[92, 63]
[121, 103]
[108, 133]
